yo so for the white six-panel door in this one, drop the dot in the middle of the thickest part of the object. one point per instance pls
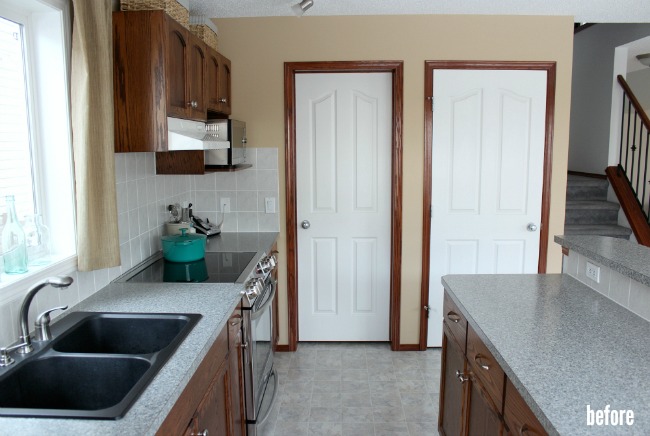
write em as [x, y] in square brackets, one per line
[343, 175]
[487, 176]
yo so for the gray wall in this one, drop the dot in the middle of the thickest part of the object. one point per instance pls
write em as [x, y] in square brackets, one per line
[591, 92]
[639, 82]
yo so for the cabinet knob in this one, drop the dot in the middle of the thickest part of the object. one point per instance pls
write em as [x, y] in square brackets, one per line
[453, 316]
[244, 345]
[223, 100]
[201, 433]
[461, 377]
[193, 104]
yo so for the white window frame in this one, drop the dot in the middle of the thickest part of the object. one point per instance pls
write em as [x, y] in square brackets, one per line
[12, 287]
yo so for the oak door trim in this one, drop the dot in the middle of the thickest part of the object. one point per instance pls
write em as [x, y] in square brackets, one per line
[429, 67]
[396, 68]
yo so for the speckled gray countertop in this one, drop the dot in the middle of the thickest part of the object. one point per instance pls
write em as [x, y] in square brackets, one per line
[628, 258]
[563, 346]
[215, 302]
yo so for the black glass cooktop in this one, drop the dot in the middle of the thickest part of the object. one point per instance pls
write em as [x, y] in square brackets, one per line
[214, 268]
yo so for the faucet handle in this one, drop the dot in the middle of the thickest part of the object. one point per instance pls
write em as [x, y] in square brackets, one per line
[42, 324]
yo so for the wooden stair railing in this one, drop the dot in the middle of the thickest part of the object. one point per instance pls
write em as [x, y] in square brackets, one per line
[629, 205]
[630, 179]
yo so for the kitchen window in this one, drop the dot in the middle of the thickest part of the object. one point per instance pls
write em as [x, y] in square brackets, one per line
[35, 137]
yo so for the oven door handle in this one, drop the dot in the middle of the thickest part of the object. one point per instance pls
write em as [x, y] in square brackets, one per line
[276, 384]
[259, 312]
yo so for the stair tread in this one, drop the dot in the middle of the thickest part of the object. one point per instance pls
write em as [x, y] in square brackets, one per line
[591, 204]
[596, 229]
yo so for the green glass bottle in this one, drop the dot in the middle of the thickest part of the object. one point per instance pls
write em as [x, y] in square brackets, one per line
[14, 243]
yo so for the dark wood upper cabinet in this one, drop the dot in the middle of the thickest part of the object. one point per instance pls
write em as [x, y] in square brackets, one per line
[218, 83]
[224, 86]
[160, 69]
[176, 69]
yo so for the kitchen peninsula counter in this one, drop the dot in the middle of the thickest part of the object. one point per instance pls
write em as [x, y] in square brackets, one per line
[563, 345]
[215, 302]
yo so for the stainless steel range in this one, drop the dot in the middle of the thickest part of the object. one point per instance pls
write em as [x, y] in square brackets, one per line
[260, 377]
[254, 270]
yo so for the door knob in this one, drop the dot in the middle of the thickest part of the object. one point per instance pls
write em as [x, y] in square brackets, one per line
[305, 224]
[531, 227]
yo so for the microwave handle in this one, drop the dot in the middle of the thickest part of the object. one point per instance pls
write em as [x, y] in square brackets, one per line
[244, 141]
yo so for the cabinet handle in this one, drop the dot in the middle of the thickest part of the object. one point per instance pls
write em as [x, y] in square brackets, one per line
[193, 104]
[202, 433]
[524, 430]
[454, 317]
[244, 345]
[223, 100]
[236, 319]
[461, 377]
[479, 361]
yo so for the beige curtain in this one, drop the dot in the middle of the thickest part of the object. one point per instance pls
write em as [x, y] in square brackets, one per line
[92, 135]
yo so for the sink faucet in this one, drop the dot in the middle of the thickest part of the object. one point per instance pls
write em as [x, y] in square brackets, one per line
[60, 282]
[25, 345]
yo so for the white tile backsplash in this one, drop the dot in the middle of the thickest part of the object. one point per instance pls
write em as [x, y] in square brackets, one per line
[628, 293]
[142, 199]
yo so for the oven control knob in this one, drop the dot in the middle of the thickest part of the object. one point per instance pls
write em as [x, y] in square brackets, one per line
[273, 261]
[254, 287]
[263, 266]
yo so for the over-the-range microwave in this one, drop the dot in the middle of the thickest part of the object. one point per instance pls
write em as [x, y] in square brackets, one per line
[235, 132]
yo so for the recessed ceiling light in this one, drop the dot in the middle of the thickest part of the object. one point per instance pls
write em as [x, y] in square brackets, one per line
[301, 8]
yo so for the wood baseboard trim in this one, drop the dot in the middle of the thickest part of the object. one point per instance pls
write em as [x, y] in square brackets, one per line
[592, 175]
[408, 347]
[285, 348]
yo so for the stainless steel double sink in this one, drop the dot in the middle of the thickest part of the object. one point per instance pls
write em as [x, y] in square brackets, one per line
[95, 367]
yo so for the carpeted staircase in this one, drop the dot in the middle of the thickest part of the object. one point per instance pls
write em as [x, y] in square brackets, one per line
[587, 210]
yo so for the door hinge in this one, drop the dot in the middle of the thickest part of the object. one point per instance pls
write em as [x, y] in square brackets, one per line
[431, 100]
[427, 309]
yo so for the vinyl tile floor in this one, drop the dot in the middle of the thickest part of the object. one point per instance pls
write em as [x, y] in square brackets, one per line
[355, 389]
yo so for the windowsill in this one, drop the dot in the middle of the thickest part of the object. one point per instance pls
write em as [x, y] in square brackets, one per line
[13, 286]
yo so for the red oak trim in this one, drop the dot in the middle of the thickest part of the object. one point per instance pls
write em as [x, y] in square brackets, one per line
[290, 70]
[630, 205]
[429, 67]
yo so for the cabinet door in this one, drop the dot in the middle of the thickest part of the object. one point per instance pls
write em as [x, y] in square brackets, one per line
[518, 417]
[213, 69]
[483, 417]
[197, 66]
[177, 73]
[213, 414]
[224, 86]
[236, 359]
[453, 387]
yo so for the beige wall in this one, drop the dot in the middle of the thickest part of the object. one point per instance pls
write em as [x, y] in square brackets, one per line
[258, 48]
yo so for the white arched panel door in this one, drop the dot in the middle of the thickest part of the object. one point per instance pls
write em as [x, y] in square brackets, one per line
[487, 156]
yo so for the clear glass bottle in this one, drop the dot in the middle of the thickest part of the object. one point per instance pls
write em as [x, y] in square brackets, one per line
[14, 244]
[38, 240]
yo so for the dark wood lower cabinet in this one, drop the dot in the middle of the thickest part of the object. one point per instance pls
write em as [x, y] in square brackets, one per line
[452, 388]
[219, 408]
[483, 417]
[212, 415]
[236, 362]
[476, 398]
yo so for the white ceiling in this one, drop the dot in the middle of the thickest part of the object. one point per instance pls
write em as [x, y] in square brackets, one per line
[592, 11]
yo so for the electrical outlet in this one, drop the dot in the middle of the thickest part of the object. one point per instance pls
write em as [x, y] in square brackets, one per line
[593, 272]
[225, 205]
[269, 205]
